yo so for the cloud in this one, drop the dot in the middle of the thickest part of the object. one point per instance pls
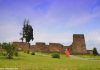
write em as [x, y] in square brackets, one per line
[93, 39]
[93, 36]
[63, 38]
[9, 32]
[59, 13]
[83, 19]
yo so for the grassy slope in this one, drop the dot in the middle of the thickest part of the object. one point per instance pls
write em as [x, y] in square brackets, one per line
[90, 56]
[38, 62]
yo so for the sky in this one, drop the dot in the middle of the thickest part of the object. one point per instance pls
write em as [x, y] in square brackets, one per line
[52, 20]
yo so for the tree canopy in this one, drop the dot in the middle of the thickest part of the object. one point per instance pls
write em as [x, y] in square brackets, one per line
[10, 50]
[95, 52]
[27, 31]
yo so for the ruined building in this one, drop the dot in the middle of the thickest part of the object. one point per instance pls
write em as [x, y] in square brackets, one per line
[78, 46]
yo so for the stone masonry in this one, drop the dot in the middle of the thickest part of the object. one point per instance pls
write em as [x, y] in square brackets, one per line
[78, 46]
[22, 46]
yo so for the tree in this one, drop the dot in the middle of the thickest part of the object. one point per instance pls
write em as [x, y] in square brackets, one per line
[10, 49]
[95, 52]
[27, 32]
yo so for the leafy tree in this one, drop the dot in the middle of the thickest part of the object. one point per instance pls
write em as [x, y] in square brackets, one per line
[27, 32]
[10, 49]
[95, 52]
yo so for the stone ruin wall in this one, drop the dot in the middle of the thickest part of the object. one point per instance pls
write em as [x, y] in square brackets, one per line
[78, 46]
[52, 47]
[22, 46]
[40, 47]
[56, 47]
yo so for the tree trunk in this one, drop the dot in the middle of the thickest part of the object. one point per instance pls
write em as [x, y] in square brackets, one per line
[28, 48]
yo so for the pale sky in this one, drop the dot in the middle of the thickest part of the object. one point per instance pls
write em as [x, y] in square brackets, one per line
[52, 20]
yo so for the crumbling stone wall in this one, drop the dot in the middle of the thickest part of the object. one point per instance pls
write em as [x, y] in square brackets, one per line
[41, 47]
[52, 47]
[21, 45]
[56, 47]
[32, 49]
[78, 45]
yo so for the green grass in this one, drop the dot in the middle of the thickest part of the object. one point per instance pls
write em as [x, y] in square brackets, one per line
[45, 62]
[90, 57]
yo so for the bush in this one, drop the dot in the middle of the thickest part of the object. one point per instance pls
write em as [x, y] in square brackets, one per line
[55, 55]
[16, 53]
[4, 53]
[95, 52]
[33, 53]
[10, 49]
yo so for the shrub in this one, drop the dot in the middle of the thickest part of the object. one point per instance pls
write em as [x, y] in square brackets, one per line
[33, 53]
[16, 53]
[10, 49]
[55, 55]
[4, 53]
[95, 52]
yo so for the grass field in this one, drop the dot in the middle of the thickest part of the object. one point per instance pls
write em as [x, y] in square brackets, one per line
[44, 62]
